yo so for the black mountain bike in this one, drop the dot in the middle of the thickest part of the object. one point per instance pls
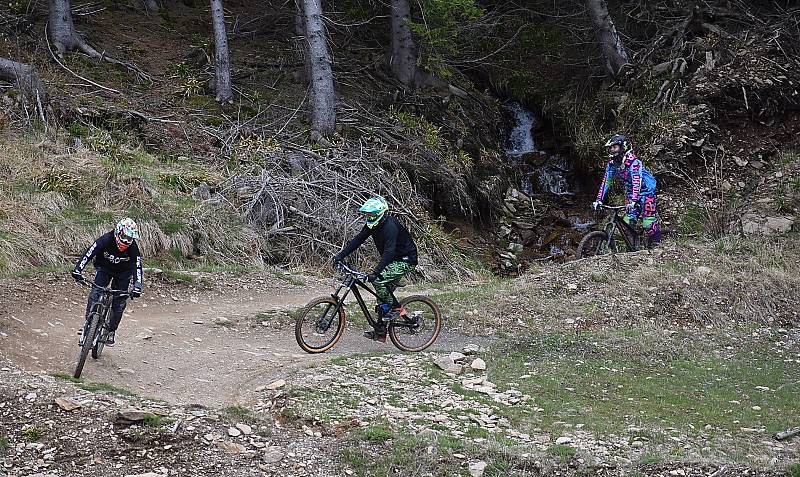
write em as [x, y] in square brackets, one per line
[321, 323]
[96, 327]
[600, 242]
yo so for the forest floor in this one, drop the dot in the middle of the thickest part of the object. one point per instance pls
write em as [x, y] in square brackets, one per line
[679, 361]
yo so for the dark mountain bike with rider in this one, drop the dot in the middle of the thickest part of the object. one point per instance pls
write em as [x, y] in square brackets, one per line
[321, 323]
[600, 242]
[97, 327]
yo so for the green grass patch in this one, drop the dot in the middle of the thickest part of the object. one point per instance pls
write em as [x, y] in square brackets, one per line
[788, 157]
[406, 452]
[37, 271]
[377, 433]
[793, 470]
[610, 381]
[179, 276]
[693, 221]
[152, 420]
[104, 387]
[32, 434]
[238, 412]
[561, 450]
[3, 443]
[64, 376]
[648, 458]
[289, 278]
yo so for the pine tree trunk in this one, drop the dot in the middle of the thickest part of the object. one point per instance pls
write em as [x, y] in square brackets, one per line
[149, 6]
[610, 41]
[304, 75]
[323, 112]
[25, 78]
[222, 66]
[62, 30]
[403, 60]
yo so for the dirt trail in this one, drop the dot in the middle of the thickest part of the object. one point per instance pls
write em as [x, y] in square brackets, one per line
[169, 346]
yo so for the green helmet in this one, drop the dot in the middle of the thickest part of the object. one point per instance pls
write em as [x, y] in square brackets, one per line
[374, 210]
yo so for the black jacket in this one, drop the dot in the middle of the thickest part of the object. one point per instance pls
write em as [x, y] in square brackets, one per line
[108, 258]
[393, 241]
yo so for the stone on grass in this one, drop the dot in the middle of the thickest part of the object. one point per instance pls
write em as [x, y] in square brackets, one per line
[68, 404]
[246, 430]
[478, 364]
[455, 356]
[447, 365]
[563, 440]
[131, 416]
[476, 469]
[273, 455]
[231, 447]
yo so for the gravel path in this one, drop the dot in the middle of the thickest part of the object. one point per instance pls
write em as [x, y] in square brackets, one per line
[181, 344]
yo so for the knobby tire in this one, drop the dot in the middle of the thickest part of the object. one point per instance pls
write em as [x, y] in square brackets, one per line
[310, 316]
[101, 341]
[590, 247]
[425, 315]
[88, 339]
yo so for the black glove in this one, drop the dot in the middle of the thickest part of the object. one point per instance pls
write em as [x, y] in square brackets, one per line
[78, 276]
[336, 260]
[374, 276]
[136, 292]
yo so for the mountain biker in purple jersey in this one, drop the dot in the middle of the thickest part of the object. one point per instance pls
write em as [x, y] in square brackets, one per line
[640, 186]
[117, 260]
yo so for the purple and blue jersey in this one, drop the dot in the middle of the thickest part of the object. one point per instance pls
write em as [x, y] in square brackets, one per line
[639, 182]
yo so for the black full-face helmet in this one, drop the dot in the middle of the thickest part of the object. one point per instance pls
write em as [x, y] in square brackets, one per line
[617, 146]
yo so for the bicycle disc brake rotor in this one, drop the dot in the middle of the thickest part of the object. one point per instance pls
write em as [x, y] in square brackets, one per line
[324, 324]
[415, 322]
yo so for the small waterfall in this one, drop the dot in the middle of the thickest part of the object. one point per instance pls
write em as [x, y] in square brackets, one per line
[553, 176]
[550, 171]
[520, 141]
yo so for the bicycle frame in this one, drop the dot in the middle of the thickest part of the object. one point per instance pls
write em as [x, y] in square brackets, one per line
[105, 302]
[351, 283]
[626, 231]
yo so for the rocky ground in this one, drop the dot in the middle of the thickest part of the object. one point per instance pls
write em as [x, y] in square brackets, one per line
[677, 361]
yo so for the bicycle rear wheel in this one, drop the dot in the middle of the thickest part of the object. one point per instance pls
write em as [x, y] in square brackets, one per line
[318, 328]
[88, 340]
[419, 328]
[593, 243]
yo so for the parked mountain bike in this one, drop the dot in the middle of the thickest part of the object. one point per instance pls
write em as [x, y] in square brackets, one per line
[96, 327]
[322, 321]
[599, 242]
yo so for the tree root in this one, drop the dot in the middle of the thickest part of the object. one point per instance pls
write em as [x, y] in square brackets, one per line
[28, 82]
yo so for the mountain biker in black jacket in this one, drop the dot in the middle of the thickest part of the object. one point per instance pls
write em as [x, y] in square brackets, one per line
[117, 260]
[398, 258]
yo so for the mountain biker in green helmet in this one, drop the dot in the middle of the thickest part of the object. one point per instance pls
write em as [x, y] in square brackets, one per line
[398, 258]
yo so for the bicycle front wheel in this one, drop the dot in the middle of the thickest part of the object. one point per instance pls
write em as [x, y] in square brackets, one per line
[593, 243]
[318, 328]
[101, 343]
[88, 340]
[419, 328]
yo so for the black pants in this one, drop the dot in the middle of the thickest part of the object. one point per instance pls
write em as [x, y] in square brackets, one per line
[118, 282]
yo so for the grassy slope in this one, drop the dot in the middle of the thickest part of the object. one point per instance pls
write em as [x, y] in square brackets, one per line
[649, 354]
[56, 200]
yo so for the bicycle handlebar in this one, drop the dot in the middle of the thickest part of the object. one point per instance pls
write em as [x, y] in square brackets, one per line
[355, 273]
[119, 293]
[611, 207]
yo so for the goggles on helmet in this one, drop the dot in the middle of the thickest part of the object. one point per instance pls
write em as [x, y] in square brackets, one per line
[124, 239]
